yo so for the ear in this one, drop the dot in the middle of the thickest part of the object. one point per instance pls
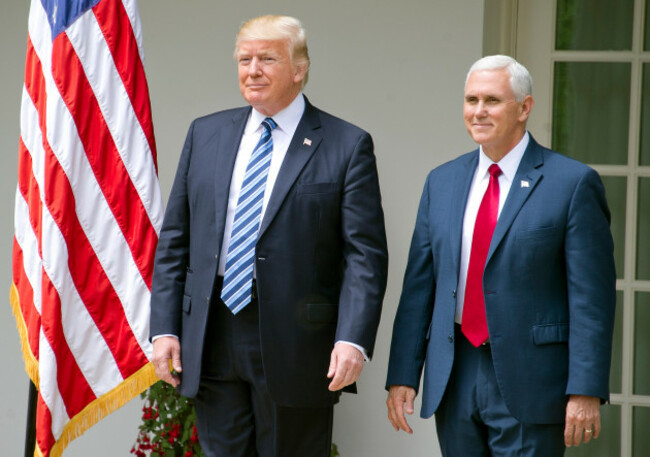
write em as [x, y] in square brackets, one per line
[526, 107]
[299, 73]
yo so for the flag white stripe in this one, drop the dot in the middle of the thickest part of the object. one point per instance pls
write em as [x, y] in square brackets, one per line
[26, 239]
[89, 43]
[50, 390]
[131, 7]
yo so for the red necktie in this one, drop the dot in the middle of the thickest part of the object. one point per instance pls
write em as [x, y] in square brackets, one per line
[474, 322]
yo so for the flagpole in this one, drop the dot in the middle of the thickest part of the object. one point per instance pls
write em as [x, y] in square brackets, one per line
[30, 430]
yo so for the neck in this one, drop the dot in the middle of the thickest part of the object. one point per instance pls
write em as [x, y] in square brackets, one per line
[497, 152]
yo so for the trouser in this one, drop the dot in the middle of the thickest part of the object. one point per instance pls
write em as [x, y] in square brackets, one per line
[236, 416]
[473, 419]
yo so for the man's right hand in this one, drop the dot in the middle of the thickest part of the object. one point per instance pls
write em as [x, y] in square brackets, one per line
[166, 348]
[400, 400]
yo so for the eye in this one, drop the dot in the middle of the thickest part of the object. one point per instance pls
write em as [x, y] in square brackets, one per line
[244, 60]
[492, 100]
[471, 100]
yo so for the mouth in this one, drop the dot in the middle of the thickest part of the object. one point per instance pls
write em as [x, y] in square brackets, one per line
[256, 86]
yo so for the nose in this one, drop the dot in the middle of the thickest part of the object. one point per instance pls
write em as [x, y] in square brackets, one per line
[481, 109]
[255, 69]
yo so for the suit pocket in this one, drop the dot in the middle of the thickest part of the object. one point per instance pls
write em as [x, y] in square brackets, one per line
[322, 312]
[187, 303]
[551, 333]
[317, 188]
[537, 232]
[187, 292]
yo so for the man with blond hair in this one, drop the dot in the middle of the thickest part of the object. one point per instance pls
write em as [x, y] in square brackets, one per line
[509, 293]
[271, 266]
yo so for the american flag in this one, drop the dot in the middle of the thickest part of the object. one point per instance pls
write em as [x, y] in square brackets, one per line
[88, 213]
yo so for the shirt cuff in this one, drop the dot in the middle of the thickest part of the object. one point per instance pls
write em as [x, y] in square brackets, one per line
[356, 346]
[154, 338]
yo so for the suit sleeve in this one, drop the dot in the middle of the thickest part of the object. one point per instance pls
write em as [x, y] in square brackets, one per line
[364, 249]
[591, 287]
[408, 346]
[172, 253]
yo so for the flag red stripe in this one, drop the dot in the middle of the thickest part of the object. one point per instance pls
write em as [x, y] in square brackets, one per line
[28, 187]
[44, 437]
[90, 280]
[103, 156]
[30, 314]
[116, 27]
[74, 388]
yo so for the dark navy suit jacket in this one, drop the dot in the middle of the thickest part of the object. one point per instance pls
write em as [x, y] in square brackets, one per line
[321, 256]
[549, 287]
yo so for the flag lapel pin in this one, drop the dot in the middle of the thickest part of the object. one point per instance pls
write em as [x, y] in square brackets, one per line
[525, 183]
[306, 141]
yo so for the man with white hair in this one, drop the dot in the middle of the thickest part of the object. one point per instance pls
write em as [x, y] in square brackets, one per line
[271, 266]
[509, 293]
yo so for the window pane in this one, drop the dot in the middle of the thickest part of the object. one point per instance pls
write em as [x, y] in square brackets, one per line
[647, 25]
[616, 191]
[644, 153]
[594, 25]
[642, 344]
[640, 435]
[591, 109]
[643, 231]
[616, 371]
[609, 442]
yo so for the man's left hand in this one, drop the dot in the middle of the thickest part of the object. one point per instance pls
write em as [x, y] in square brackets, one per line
[582, 420]
[345, 368]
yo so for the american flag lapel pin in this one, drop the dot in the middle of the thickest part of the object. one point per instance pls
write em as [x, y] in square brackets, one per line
[306, 141]
[525, 183]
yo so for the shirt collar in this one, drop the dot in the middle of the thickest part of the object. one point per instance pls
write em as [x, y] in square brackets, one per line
[509, 163]
[287, 119]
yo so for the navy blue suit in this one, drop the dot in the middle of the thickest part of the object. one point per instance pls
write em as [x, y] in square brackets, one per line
[549, 287]
[321, 256]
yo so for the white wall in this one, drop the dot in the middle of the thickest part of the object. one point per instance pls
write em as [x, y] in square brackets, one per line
[395, 68]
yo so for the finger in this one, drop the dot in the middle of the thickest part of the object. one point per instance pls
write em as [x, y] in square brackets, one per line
[408, 407]
[331, 371]
[392, 414]
[597, 426]
[588, 434]
[401, 418]
[176, 358]
[568, 434]
[337, 380]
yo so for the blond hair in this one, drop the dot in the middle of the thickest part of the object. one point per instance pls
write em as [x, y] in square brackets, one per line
[272, 27]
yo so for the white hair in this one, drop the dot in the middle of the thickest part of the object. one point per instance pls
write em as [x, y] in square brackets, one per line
[521, 82]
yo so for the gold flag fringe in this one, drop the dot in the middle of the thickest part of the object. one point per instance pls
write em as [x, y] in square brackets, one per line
[93, 412]
[31, 363]
[103, 406]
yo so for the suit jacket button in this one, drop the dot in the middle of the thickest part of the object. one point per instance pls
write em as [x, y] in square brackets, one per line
[454, 293]
[450, 338]
[207, 300]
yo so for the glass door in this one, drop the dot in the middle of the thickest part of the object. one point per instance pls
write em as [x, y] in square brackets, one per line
[590, 61]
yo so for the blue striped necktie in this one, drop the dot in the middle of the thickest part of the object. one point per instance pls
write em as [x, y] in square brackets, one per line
[238, 277]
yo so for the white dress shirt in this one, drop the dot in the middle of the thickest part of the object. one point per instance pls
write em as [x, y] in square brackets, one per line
[287, 121]
[480, 181]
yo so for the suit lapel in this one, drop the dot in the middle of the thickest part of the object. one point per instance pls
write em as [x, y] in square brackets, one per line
[526, 179]
[298, 154]
[461, 185]
[226, 149]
